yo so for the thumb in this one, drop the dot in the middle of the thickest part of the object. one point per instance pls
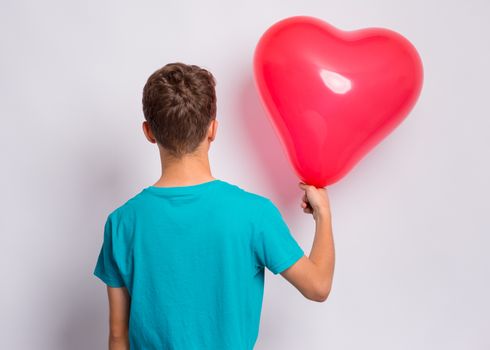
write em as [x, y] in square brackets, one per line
[302, 185]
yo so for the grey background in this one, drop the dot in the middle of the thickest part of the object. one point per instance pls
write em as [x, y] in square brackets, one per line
[410, 221]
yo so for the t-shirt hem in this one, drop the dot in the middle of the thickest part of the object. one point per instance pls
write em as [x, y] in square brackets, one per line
[288, 262]
[107, 280]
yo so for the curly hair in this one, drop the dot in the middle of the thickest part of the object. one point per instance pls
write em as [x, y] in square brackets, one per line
[179, 102]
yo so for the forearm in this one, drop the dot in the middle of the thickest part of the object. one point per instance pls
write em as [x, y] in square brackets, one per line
[323, 252]
[118, 343]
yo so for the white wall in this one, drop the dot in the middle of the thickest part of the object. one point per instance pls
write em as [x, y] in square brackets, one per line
[410, 221]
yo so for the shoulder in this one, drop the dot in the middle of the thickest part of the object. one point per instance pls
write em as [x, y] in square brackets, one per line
[121, 220]
[247, 198]
[125, 211]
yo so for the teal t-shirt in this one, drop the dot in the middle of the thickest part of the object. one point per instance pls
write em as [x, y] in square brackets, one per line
[192, 259]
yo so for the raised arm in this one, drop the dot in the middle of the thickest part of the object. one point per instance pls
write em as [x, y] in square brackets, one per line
[313, 275]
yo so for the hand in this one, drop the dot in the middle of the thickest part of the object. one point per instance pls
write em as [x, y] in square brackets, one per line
[315, 200]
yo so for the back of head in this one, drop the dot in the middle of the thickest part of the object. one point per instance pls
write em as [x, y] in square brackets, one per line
[179, 102]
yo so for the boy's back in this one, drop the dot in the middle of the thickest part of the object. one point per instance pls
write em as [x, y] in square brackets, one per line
[192, 259]
[184, 258]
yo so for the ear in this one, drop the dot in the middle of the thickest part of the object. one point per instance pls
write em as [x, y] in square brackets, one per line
[213, 127]
[148, 133]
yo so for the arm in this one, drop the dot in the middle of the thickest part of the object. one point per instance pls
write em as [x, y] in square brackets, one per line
[119, 304]
[313, 275]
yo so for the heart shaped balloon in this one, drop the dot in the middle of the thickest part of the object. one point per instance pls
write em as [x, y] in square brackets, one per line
[333, 95]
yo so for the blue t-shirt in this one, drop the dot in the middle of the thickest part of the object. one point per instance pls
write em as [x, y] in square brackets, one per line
[192, 259]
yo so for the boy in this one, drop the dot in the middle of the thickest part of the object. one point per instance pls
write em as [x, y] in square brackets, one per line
[183, 260]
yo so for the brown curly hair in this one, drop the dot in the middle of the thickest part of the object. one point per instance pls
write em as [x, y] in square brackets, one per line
[179, 102]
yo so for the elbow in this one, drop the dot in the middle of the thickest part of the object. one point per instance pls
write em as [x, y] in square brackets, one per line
[118, 336]
[321, 293]
[118, 342]
[320, 297]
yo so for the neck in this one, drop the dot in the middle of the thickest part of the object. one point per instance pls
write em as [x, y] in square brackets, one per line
[190, 169]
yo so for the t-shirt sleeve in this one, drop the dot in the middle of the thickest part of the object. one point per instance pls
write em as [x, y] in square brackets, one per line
[274, 246]
[106, 268]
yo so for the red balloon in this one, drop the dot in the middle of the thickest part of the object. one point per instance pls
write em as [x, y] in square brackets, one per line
[333, 95]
